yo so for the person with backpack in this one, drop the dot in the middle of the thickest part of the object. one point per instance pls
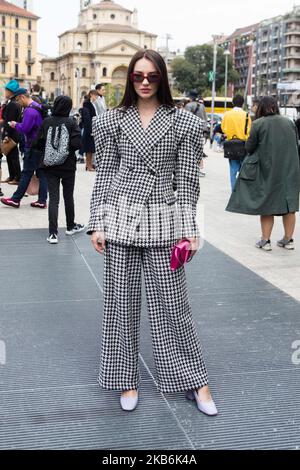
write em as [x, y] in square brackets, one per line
[58, 140]
[29, 127]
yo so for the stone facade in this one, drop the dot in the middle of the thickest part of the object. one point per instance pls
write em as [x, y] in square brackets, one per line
[98, 50]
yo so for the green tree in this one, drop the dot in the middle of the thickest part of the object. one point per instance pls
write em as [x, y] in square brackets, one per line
[191, 72]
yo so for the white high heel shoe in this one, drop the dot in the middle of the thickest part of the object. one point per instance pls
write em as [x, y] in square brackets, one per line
[208, 408]
[129, 403]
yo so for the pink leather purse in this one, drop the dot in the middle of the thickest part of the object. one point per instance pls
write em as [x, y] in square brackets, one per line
[181, 254]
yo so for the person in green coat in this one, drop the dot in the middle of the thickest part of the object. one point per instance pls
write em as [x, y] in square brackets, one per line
[269, 180]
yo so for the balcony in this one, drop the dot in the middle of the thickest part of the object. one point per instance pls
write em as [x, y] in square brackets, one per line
[4, 58]
[30, 61]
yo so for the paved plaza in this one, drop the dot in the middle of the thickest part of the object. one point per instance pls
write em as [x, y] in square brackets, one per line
[245, 305]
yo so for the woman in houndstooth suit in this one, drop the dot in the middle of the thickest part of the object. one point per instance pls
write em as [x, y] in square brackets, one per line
[144, 202]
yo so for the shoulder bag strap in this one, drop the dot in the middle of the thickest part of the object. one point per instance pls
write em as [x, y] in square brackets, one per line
[246, 125]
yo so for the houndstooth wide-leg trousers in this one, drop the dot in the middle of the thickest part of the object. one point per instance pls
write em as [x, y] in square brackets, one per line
[177, 351]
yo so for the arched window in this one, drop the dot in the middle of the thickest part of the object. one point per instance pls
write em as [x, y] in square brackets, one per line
[52, 76]
[104, 72]
[84, 72]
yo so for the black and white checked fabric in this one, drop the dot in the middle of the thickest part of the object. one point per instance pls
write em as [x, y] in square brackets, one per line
[147, 182]
[177, 351]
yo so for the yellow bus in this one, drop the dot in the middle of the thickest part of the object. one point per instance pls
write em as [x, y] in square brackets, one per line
[219, 104]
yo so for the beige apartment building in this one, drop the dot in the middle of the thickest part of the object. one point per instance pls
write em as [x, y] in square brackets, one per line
[18, 36]
[99, 49]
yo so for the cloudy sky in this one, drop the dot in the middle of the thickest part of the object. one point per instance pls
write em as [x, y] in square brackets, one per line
[188, 21]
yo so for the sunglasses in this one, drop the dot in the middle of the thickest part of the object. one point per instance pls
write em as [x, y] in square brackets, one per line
[140, 77]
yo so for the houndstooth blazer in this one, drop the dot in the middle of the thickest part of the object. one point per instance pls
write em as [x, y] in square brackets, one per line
[147, 181]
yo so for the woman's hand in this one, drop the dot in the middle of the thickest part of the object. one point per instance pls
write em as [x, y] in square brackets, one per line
[195, 245]
[98, 242]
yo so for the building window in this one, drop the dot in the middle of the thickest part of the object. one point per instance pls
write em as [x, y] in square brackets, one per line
[95, 17]
[16, 70]
[104, 72]
[16, 38]
[3, 21]
[3, 36]
[29, 25]
[17, 22]
[3, 67]
[16, 53]
[29, 40]
[29, 70]
[113, 16]
[29, 54]
[84, 72]
[3, 52]
[52, 76]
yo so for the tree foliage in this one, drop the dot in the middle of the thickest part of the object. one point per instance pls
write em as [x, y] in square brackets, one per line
[191, 72]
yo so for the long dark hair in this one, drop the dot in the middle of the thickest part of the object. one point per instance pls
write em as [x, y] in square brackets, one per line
[164, 93]
[267, 106]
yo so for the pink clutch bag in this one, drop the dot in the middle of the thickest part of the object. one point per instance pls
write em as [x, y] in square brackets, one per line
[181, 254]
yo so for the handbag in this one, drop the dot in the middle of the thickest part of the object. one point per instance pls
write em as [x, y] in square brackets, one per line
[34, 186]
[7, 145]
[181, 254]
[235, 149]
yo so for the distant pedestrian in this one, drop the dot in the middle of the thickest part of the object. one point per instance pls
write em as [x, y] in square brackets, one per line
[89, 111]
[29, 127]
[195, 107]
[58, 140]
[198, 109]
[236, 124]
[269, 181]
[12, 112]
[101, 103]
[254, 108]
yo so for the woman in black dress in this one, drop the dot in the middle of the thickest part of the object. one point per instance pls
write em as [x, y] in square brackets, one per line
[89, 111]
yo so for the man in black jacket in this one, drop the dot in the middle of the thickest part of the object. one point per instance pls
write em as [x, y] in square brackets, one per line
[12, 112]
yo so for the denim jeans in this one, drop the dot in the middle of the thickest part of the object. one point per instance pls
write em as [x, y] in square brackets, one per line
[31, 165]
[235, 167]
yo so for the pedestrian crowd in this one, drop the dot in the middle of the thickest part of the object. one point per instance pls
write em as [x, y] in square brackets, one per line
[262, 148]
[48, 140]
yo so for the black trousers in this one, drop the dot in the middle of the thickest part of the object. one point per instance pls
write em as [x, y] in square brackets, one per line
[67, 178]
[13, 163]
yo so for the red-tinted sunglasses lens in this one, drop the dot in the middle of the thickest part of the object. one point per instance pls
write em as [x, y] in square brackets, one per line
[139, 78]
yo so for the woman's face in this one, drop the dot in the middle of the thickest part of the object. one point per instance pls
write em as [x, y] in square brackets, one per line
[144, 89]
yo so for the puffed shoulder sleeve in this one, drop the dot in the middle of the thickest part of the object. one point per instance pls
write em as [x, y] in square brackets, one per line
[100, 133]
[107, 163]
[187, 175]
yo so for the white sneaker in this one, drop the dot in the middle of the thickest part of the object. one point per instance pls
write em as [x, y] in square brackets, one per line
[287, 244]
[76, 229]
[264, 245]
[52, 239]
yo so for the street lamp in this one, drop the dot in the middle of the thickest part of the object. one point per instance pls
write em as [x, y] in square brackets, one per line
[78, 49]
[250, 49]
[213, 93]
[226, 54]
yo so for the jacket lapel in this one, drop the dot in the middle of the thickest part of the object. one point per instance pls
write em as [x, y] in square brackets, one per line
[145, 140]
